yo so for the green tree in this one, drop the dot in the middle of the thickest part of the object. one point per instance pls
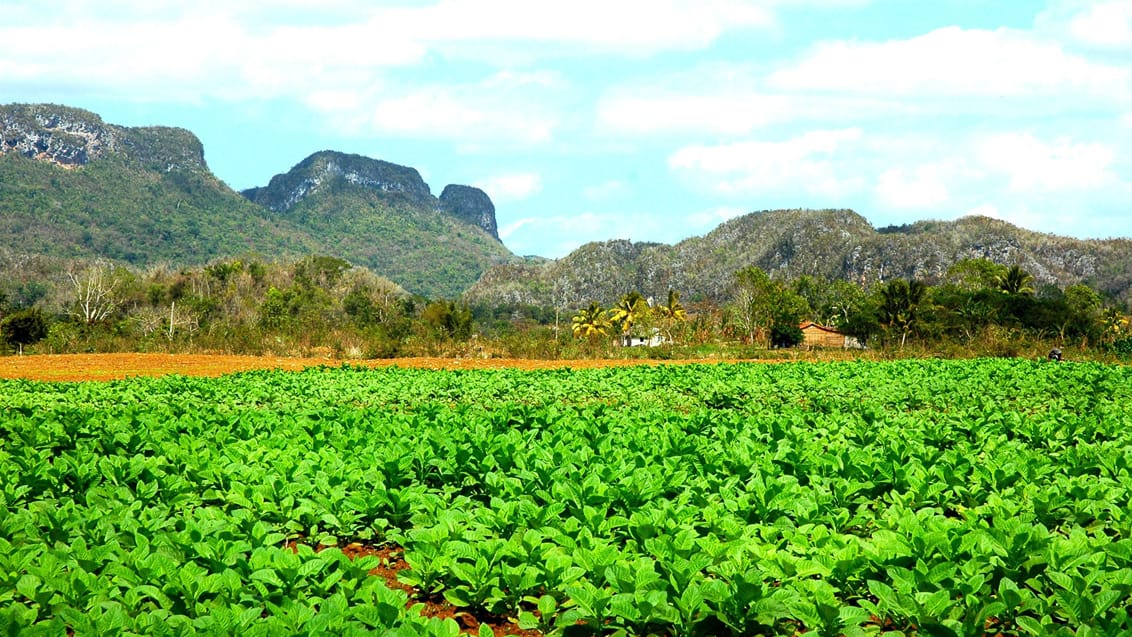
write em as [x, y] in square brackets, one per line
[900, 306]
[786, 335]
[671, 312]
[1016, 281]
[971, 275]
[862, 321]
[590, 322]
[24, 327]
[1084, 318]
[448, 319]
[831, 302]
[760, 302]
[629, 311]
[320, 271]
[273, 312]
[673, 308]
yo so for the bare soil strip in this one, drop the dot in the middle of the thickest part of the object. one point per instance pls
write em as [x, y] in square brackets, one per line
[102, 367]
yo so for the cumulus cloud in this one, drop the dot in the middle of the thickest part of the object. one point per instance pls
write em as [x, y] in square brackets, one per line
[617, 26]
[1032, 164]
[512, 187]
[1105, 24]
[444, 113]
[503, 108]
[710, 112]
[952, 61]
[556, 235]
[290, 49]
[754, 166]
[921, 187]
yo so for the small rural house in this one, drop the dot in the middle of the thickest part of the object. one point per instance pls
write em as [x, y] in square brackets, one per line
[814, 335]
[652, 340]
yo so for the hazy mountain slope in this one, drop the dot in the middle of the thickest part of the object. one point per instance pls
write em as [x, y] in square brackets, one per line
[789, 243]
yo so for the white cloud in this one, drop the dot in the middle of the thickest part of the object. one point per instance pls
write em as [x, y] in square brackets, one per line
[754, 166]
[1035, 165]
[503, 108]
[165, 58]
[509, 229]
[169, 51]
[952, 61]
[1021, 214]
[511, 187]
[454, 113]
[729, 113]
[921, 187]
[626, 26]
[556, 235]
[1105, 24]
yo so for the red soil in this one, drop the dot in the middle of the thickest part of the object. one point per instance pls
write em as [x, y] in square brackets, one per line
[393, 563]
[81, 367]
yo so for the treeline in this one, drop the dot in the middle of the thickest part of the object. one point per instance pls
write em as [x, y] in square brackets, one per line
[977, 302]
[324, 306]
[315, 306]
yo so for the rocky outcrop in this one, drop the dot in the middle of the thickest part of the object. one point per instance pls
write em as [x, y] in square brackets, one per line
[325, 168]
[72, 138]
[472, 205]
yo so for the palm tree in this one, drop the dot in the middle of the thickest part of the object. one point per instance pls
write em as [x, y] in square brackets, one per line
[672, 312]
[900, 305]
[1016, 281]
[673, 309]
[632, 308]
[590, 322]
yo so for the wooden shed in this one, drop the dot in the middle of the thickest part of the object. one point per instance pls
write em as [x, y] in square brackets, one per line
[814, 335]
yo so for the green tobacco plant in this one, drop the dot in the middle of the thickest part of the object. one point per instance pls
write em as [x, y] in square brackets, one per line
[858, 498]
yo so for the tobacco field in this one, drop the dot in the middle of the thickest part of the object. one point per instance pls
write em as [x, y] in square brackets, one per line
[928, 497]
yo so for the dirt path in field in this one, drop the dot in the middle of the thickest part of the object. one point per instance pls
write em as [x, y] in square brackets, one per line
[79, 367]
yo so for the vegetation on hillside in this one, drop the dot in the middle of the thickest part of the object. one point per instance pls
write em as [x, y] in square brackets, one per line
[325, 305]
[114, 209]
[75, 187]
[422, 248]
[787, 244]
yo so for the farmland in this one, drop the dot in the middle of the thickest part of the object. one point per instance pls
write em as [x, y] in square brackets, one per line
[926, 497]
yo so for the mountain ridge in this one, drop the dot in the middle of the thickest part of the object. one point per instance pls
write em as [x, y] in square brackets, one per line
[829, 244]
[73, 186]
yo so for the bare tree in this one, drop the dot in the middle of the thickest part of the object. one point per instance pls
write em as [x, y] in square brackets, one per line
[169, 322]
[95, 298]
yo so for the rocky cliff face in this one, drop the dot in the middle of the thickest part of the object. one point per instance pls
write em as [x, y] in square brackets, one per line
[324, 168]
[72, 138]
[472, 205]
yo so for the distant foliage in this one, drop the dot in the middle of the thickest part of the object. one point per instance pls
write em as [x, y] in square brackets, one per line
[828, 245]
[24, 327]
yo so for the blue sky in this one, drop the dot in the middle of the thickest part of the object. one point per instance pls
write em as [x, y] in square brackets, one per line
[651, 120]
